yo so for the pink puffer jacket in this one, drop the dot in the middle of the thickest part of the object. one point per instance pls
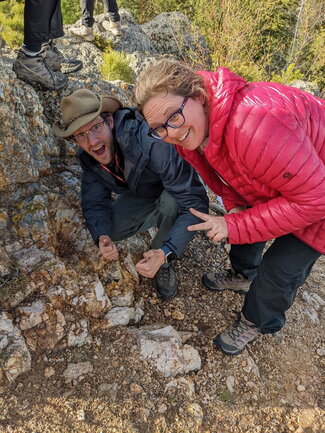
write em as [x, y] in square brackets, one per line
[266, 150]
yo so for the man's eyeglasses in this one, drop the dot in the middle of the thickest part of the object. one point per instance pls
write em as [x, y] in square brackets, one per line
[176, 120]
[94, 131]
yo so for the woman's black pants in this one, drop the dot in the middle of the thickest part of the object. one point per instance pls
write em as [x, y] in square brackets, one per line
[275, 278]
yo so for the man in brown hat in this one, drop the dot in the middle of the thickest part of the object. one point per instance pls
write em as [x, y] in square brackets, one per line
[155, 186]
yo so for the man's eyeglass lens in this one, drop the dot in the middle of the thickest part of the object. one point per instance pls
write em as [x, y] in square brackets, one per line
[94, 130]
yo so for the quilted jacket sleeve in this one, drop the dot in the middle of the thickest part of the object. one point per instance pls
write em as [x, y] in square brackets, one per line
[277, 154]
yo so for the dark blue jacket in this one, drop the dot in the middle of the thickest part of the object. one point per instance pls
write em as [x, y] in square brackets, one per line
[150, 166]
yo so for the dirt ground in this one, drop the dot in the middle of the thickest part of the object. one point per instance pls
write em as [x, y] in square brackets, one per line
[273, 386]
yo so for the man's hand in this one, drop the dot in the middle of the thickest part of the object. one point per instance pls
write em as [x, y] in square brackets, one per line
[107, 248]
[216, 227]
[149, 265]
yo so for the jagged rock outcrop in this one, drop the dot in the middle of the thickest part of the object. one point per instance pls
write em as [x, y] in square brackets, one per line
[55, 292]
[56, 288]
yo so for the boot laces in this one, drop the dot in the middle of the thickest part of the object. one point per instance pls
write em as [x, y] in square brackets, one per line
[241, 329]
[165, 273]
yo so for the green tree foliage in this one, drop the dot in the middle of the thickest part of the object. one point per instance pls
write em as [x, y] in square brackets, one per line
[12, 22]
[262, 40]
[71, 11]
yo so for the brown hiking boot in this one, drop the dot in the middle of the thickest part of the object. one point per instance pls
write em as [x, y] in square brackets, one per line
[57, 62]
[235, 339]
[34, 70]
[220, 281]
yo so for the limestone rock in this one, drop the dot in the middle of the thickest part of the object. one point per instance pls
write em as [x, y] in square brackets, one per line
[15, 358]
[172, 33]
[163, 348]
[122, 316]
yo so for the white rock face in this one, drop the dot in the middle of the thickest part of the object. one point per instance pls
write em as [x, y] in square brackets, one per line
[163, 348]
[123, 316]
[15, 358]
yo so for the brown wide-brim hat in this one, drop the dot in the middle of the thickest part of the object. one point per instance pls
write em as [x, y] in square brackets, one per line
[81, 107]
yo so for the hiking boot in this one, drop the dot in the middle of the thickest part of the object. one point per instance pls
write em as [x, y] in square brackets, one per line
[35, 70]
[113, 26]
[229, 281]
[234, 340]
[57, 62]
[83, 32]
[166, 282]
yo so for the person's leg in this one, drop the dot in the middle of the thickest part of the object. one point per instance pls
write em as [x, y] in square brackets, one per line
[112, 8]
[87, 9]
[86, 30]
[56, 23]
[30, 65]
[54, 59]
[113, 24]
[244, 260]
[132, 215]
[37, 23]
[283, 269]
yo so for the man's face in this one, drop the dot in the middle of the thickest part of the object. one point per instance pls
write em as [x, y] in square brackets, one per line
[96, 138]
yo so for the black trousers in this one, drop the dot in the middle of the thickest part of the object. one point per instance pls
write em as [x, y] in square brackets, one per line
[42, 22]
[87, 8]
[275, 278]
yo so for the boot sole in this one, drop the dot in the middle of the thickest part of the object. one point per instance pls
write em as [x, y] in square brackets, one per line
[216, 289]
[83, 37]
[32, 82]
[71, 70]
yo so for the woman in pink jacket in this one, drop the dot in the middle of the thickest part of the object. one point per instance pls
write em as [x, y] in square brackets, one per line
[261, 147]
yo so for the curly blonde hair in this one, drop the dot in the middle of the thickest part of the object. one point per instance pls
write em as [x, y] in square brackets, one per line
[170, 76]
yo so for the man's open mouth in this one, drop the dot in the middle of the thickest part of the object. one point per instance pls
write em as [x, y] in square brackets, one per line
[99, 150]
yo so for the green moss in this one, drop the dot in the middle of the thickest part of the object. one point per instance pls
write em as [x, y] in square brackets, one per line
[116, 67]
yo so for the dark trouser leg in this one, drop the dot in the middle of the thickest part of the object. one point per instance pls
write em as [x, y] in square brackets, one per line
[283, 269]
[132, 215]
[37, 22]
[56, 24]
[246, 258]
[87, 10]
[112, 8]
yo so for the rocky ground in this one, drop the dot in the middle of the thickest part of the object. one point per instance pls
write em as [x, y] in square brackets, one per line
[108, 386]
[274, 386]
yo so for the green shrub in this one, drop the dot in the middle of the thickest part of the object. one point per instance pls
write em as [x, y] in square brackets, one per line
[71, 11]
[12, 22]
[287, 75]
[116, 67]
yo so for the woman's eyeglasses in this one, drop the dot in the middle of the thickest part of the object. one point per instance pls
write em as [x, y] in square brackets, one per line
[176, 120]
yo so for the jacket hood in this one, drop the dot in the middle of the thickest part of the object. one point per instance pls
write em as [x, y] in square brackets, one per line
[222, 87]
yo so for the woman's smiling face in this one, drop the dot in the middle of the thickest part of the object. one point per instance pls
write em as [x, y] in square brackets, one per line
[195, 128]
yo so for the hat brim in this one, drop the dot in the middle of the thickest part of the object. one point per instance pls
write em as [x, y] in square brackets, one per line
[107, 104]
